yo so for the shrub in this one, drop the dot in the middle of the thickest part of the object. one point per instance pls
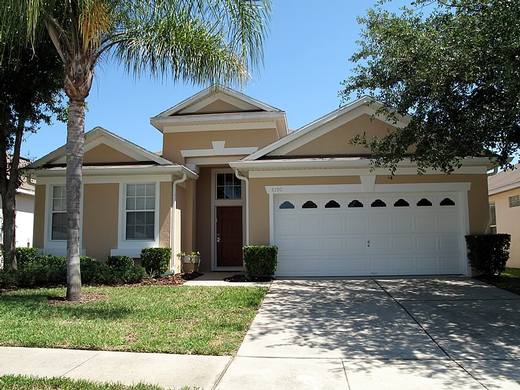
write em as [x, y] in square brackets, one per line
[488, 253]
[94, 272]
[120, 261]
[260, 261]
[8, 280]
[25, 256]
[44, 270]
[156, 261]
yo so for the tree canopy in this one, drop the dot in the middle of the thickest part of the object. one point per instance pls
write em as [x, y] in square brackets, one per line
[453, 67]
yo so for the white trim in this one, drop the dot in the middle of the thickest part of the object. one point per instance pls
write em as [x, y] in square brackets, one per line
[193, 162]
[108, 179]
[218, 91]
[216, 122]
[222, 203]
[328, 122]
[355, 172]
[358, 188]
[175, 234]
[218, 149]
[460, 188]
[133, 247]
[368, 182]
[24, 191]
[99, 135]
[58, 247]
[246, 203]
[344, 166]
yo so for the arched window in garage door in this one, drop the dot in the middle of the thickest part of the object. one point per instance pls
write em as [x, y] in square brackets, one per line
[286, 205]
[424, 202]
[332, 204]
[355, 203]
[309, 205]
[401, 203]
[378, 203]
[447, 202]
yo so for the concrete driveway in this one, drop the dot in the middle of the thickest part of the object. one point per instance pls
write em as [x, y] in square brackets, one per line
[374, 334]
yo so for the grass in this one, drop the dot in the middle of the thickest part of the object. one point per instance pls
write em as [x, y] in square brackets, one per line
[508, 280]
[17, 382]
[184, 320]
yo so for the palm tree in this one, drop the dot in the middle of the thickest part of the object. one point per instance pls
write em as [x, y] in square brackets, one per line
[199, 41]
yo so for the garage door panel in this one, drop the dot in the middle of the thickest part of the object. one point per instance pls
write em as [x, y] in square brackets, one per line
[391, 240]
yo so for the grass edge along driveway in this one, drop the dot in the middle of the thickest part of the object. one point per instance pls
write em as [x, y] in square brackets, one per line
[180, 319]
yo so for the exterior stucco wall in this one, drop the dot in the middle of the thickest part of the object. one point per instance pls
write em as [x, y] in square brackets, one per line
[259, 199]
[100, 219]
[203, 218]
[508, 222]
[173, 143]
[337, 141]
[105, 154]
[165, 204]
[39, 216]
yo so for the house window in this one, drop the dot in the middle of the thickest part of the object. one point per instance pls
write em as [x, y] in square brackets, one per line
[140, 211]
[492, 219]
[58, 214]
[228, 186]
[514, 201]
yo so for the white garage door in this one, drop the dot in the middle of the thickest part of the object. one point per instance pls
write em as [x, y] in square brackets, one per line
[369, 234]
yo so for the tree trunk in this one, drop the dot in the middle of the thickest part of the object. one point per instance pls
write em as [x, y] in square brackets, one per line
[9, 230]
[75, 142]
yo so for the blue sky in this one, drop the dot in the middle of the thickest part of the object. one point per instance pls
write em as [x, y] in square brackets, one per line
[306, 58]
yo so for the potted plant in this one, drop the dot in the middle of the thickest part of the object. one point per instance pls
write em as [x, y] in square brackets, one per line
[190, 261]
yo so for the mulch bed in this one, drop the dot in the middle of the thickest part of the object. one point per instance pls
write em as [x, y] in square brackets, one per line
[243, 278]
[169, 280]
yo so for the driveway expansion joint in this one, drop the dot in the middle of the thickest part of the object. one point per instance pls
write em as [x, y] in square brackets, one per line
[82, 363]
[429, 335]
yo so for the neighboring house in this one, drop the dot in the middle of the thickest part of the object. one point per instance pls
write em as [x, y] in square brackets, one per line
[504, 206]
[24, 212]
[230, 174]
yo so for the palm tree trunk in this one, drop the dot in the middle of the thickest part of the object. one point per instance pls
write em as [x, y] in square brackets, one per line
[75, 143]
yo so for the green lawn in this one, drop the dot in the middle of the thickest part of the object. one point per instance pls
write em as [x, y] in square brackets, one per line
[508, 280]
[186, 320]
[12, 382]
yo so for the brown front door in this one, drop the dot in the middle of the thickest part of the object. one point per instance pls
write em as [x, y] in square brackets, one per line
[229, 236]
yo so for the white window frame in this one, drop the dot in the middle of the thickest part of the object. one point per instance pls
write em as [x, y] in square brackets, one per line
[57, 247]
[130, 247]
[219, 203]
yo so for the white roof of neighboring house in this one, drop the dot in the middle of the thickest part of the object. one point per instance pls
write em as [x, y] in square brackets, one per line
[504, 181]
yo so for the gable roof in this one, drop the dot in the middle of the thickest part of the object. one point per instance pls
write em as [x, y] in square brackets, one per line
[215, 93]
[328, 122]
[97, 136]
[504, 181]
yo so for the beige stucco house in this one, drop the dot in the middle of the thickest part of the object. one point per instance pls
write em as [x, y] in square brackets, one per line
[504, 206]
[230, 173]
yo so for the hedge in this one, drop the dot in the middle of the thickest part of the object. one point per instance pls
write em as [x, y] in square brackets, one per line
[46, 270]
[260, 261]
[488, 253]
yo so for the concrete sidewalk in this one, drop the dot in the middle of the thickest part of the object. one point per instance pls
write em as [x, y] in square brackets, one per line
[165, 370]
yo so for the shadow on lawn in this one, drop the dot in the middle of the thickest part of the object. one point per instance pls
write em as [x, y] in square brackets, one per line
[40, 304]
